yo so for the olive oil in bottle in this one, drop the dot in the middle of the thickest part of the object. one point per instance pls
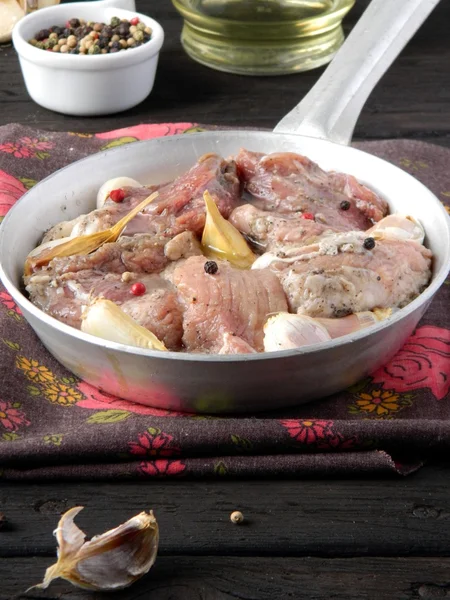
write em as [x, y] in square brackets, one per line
[262, 37]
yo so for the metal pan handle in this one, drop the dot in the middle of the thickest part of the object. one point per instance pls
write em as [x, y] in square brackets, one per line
[332, 107]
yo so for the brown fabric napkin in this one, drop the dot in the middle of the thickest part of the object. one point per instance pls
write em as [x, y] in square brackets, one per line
[53, 425]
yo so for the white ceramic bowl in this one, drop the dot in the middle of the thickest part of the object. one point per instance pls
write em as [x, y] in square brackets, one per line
[87, 85]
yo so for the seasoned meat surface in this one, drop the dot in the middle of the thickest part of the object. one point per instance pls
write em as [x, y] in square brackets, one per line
[290, 183]
[179, 206]
[64, 297]
[232, 301]
[310, 227]
[269, 230]
[141, 253]
[338, 276]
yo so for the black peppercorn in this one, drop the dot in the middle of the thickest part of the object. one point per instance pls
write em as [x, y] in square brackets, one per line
[211, 267]
[42, 35]
[124, 29]
[67, 32]
[344, 205]
[116, 46]
[57, 30]
[369, 243]
[74, 23]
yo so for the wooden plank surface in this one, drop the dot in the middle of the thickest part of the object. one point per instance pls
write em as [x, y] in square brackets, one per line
[207, 578]
[318, 540]
[354, 517]
[412, 100]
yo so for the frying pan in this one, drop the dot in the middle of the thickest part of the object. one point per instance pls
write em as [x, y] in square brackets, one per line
[319, 127]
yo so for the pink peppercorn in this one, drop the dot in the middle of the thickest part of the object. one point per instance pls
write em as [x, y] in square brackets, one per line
[138, 289]
[117, 195]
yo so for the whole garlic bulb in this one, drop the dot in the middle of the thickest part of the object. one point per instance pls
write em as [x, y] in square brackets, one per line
[111, 561]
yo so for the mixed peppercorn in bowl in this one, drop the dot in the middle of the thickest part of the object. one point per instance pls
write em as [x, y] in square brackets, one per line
[79, 36]
[121, 79]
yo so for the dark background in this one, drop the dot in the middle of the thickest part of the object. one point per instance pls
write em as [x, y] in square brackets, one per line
[412, 100]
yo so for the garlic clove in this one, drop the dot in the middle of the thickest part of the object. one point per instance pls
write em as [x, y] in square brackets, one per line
[84, 244]
[111, 561]
[285, 331]
[106, 320]
[114, 184]
[398, 227]
[222, 240]
[47, 246]
[350, 324]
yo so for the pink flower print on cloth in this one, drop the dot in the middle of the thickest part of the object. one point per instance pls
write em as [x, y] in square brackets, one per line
[423, 362]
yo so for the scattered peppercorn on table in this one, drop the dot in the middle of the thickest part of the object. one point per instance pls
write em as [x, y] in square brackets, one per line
[350, 538]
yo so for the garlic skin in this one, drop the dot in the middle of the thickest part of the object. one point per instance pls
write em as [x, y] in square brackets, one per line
[398, 227]
[355, 322]
[286, 331]
[106, 320]
[111, 561]
[222, 240]
[114, 184]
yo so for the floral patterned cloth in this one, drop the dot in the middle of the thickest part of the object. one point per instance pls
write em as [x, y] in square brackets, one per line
[52, 425]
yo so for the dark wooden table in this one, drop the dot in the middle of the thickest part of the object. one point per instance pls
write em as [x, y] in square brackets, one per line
[347, 539]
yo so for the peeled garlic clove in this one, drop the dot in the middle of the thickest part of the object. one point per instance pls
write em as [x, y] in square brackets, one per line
[106, 320]
[114, 184]
[222, 240]
[285, 331]
[398, 227]
[111, 561]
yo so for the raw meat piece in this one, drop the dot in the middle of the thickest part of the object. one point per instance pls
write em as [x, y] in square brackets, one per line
[140, 253]
[179, 206]
[64, 297]
[231, 344]
[270, 230]
[286, 182]
[338, 276]
[231, 301]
